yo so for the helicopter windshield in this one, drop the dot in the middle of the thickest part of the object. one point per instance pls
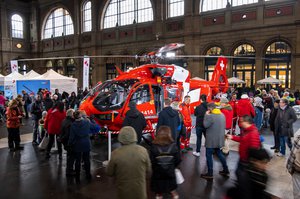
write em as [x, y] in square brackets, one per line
[113, 94]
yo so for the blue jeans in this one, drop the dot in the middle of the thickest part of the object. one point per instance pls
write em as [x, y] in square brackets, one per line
[209, 159]
[283, 140]
[199, 132]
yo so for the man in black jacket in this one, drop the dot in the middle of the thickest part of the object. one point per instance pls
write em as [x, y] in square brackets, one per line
[273, 115]
[169, 117]
[284, 120]
[64, 138]
[200, 130]
[135, 119]
[36, 111]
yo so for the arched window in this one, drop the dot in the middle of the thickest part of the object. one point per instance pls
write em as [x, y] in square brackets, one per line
[175, 8]
[278, 62]
[124, 12]
[58, 23]
[208, 5]
[17, 26]
[210, 62]
[87, 16]
[244, 68]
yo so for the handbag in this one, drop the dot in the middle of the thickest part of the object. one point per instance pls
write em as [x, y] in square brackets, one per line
[44, 143]
[179, 176]
[225, 149]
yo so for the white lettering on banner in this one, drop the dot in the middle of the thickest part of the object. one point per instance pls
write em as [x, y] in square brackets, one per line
[14, 65]
[147, 112]
[222, 65]
[86, 70]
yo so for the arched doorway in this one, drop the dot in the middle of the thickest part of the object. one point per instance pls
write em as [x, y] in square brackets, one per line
[244, 68]
[278, 62]
[210, 62]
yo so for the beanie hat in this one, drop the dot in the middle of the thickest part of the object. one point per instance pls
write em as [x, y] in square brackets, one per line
[244, 96]
[224, 100]
[132, 105]
[44, 113]
[127, 135]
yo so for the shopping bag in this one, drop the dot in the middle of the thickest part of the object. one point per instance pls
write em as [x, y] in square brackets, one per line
[44, 143]
[179, 176]
[225, 149]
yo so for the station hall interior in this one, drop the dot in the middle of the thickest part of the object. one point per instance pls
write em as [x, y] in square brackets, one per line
[260, 38]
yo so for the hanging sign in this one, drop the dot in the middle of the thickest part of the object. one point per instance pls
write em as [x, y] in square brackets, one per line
[86, 71]
[14, 65]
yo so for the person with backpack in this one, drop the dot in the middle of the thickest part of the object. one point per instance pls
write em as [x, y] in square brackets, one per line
[293, 166]
[165, 157]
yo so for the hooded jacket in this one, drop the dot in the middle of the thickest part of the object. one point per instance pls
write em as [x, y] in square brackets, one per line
[80, 135]
[248, 139]
[169, 117]
[129, 165]
[228, 113]
[53, 121]
[135, 119]
[244, 107]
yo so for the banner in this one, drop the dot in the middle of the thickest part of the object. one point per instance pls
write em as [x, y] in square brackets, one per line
[86, 70]
[32, 86]
[14, 65]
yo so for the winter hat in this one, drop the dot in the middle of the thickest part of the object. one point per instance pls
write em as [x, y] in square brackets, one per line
[224, 100]
[244, 96]
[132, 105]
[127, 135]
[44, 113]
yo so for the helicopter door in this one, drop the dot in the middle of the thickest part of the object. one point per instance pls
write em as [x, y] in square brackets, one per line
[158, 97]
[143, 97]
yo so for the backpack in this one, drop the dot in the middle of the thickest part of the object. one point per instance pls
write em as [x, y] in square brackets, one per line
[166, 161]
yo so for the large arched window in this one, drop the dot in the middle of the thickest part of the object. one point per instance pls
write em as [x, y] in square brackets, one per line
[208, 5]
[278, 62]
[124, 12]
[58, 23]
[175, 8]
[210, 62]
[244, 68]
[87, 16]
[16, 26]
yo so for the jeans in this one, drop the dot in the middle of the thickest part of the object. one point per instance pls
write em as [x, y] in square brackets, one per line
[199, 132]
[209, 159]
[258, 119]
[13, 137]
[35, 130]
[283, 140]
[86, 160]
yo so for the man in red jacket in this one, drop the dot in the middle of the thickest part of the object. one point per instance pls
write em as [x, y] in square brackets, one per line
[227, 111]
[187, 121]
[244, 107]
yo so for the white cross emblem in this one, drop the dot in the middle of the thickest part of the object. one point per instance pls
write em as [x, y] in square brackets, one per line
[222, 65]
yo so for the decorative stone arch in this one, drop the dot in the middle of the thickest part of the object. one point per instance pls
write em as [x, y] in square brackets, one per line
[211, 45]
[45, 17]
[241, 42]
[276, 39]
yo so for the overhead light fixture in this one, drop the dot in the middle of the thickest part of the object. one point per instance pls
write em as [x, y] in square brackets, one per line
[244, 16]
[19, 45]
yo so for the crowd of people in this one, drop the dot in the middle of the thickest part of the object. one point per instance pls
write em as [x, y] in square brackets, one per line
[55, 117]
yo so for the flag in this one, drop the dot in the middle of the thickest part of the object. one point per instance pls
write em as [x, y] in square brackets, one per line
[86, 70]
[14, 65]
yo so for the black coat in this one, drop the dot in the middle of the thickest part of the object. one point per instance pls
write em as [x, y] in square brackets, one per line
[284, 121]
[36, 110]
[200, 113]
[135, 119]
[169, 117]
[160, 182]
[48, 103]
[272, 118]
[65, 131]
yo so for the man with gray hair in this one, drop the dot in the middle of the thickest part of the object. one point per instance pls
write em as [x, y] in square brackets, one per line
[36, 112]
[284, 120]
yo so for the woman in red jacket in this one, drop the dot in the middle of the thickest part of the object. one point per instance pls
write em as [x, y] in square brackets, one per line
[227, 111]
[13, 116]
[53, 122]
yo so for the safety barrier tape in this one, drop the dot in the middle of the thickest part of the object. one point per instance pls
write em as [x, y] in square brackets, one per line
[144, 131]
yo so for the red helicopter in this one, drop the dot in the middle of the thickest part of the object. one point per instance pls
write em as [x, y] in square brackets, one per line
[148, 85]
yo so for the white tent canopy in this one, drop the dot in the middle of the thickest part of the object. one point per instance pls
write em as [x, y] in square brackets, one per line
[269, 80]
[234, 80]
[60, 82]
[31, 74]
[10, 84]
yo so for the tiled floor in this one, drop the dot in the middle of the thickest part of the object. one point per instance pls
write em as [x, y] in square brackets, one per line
[27, 174]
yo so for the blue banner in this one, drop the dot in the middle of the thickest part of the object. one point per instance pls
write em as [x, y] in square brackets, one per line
[32, 86]
[2, 88]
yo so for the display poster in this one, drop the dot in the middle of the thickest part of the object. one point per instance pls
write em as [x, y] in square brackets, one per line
[32, 86]
[86, 70]
[14, 65]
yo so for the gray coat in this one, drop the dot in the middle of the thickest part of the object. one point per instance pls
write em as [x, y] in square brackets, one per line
[284, 121]
[215, 130]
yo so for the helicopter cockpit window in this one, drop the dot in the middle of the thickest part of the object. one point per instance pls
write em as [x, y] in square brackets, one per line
[113, 94]
[173, 93]
[141, 95]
